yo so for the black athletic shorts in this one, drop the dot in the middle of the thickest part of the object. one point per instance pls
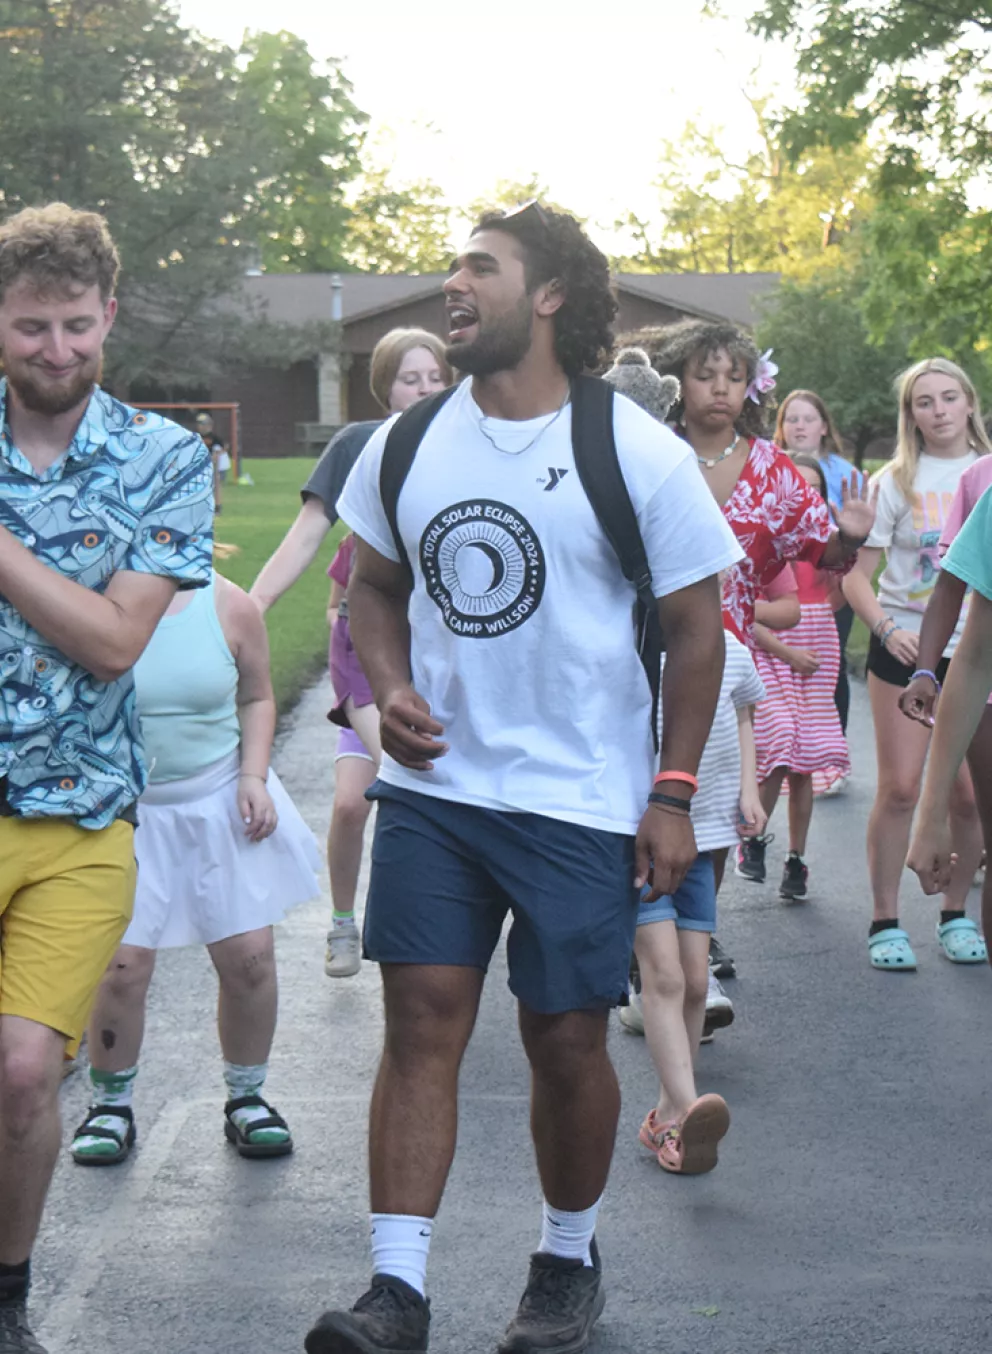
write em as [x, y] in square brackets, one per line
[889, 670]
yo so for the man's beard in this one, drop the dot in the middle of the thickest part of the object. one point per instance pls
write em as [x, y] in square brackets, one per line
[501, 346]
[50, 397]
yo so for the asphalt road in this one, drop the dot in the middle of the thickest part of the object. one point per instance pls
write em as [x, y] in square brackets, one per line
[849, 1211]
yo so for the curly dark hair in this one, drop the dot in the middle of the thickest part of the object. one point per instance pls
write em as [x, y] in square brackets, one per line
[671, 347]
[555, 246]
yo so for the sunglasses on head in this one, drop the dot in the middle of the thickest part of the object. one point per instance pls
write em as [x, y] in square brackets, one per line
[528, 212]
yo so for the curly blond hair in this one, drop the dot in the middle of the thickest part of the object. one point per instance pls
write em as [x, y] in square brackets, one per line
[59, 250]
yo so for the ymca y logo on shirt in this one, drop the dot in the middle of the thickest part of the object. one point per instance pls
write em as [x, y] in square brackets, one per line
[522, 638]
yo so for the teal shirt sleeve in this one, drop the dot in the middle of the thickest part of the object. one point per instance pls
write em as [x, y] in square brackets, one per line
[970, 555]
[174, 538]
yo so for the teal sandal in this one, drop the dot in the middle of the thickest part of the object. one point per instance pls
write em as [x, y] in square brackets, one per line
[890, 949]
[961, 942]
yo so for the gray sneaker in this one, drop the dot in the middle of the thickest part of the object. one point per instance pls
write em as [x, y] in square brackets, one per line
[15, 1333]
[561, 1304]
[391, 1317]
[343, 956]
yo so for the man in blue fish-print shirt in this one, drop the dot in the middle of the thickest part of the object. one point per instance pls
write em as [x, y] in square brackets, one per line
[104, 511]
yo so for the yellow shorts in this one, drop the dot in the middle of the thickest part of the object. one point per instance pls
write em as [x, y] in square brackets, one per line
[66, 897]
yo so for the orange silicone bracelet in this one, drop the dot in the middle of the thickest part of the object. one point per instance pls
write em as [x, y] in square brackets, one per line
[682, 776]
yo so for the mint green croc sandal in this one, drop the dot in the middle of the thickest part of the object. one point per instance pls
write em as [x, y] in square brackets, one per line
[890, 949]
[961, 942]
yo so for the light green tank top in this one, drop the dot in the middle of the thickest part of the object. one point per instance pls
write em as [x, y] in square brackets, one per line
[186, 683]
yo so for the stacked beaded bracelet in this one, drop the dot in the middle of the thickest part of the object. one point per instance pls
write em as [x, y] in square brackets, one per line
[883, 629]
[925, 672]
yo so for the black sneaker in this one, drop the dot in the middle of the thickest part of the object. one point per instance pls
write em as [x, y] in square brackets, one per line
[721, 963]
[559, 1308]
[751, 858]
[391, 1318]
[794, 877]
[15, 1333]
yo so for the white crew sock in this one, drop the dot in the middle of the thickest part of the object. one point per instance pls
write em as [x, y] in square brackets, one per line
[569, 1235]
[400, 1245]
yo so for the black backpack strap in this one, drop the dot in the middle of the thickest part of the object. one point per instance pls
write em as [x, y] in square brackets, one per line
[598, 465]
[402, 441]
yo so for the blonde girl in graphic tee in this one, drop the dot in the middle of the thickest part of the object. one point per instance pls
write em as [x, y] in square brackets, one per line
[941, 435]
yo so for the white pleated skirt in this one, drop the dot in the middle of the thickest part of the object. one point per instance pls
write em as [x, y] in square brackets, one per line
[200, 879]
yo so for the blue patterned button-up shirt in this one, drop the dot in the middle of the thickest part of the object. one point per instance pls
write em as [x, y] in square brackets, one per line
[134, 491]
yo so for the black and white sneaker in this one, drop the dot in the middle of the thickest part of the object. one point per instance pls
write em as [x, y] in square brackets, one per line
[560, 1306]
[721, 963]
[391, 1318]
[15, 1333]
[794, 877]
[751, 858]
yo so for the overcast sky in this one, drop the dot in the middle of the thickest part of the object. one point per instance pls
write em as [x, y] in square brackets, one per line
[580, 92]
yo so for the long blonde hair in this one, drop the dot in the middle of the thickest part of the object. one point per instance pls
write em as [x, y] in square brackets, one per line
[909, 442]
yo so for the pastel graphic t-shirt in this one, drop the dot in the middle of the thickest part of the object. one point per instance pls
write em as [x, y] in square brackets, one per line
[909, 531]
[970, 555]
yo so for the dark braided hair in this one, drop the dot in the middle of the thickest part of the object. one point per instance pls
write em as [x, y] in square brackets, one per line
[556, 247]
[671, 347]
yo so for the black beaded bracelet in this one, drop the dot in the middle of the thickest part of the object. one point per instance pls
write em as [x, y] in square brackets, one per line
[670, 801]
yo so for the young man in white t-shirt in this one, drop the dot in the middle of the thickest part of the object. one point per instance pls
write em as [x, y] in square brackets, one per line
[516, 723]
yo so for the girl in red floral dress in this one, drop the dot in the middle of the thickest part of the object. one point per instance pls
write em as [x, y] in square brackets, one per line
[797, 731]
[775, 515]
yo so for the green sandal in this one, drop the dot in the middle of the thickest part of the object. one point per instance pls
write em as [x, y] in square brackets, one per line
[242, 1138]
[90, 1128]
[961, 942]
[890, 949]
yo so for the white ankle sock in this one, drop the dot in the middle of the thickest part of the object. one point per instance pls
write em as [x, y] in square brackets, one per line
[569, 1235]
[400, 1245]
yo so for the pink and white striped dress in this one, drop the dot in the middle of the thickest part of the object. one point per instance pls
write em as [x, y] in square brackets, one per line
[797, 725]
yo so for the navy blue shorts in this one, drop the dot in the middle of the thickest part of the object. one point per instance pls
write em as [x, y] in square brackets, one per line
[692, 907]
[444, 876]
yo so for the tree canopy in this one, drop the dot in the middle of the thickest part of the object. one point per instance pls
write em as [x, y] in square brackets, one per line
[204, 160]
[397, 228]
[763, 214]
[821, 342]
[915, 79]
[921, 72]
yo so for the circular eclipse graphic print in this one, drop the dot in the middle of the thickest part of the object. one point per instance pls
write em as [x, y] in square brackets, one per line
[483, 567]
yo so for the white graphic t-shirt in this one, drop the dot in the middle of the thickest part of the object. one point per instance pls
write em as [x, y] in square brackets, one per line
[909, 531]
[521, 621]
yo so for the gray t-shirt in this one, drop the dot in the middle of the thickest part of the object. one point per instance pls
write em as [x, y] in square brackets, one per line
[334, 466]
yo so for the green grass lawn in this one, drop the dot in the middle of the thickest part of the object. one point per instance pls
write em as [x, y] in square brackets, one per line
[255, 519]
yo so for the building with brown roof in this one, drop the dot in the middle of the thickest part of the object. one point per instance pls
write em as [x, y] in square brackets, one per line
[284, 410]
